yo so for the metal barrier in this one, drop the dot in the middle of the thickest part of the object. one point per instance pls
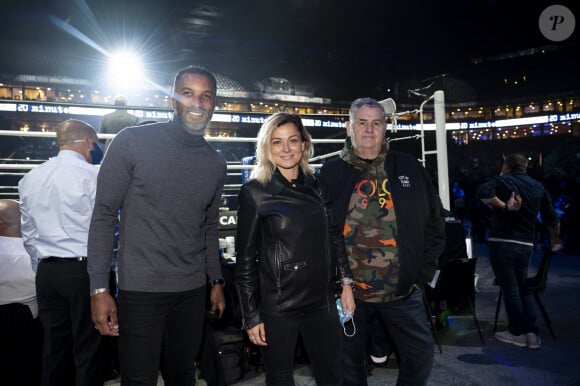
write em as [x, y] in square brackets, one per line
[19, 167]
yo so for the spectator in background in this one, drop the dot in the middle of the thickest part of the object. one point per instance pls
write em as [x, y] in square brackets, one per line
[116, 121]
[516, 199]
[20, 328]
[394, 232]
[167, 181]
[57, 199]
[288, 256]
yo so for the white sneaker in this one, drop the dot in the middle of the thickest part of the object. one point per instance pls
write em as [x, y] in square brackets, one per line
[508, 337]
[534, 341]
[379, 360]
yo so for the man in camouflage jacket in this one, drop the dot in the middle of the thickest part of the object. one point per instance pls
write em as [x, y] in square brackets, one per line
[394, 233]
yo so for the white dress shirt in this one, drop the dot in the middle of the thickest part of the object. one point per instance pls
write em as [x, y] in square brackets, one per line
[16, 275]
[56, 203]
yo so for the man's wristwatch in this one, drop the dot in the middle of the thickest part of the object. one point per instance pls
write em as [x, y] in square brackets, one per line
[219, 281]
[97, 291]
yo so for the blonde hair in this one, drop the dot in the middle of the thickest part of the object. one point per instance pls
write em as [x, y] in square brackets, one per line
[265, 167]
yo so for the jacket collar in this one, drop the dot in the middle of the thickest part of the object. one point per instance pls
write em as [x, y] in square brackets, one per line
[279, 183]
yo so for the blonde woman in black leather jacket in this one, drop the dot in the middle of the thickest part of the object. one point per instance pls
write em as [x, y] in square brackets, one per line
[288, 257]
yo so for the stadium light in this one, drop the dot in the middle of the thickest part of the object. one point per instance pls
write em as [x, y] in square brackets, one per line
[126, 71]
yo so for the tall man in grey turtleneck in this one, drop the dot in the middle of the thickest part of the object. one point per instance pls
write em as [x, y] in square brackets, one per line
[167, 181]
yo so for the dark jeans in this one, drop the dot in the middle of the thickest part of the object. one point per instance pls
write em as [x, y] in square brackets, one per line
[72, 351]
[407, 323]
[160, 331]
[321, 335]
[379, 343]
[510, 263]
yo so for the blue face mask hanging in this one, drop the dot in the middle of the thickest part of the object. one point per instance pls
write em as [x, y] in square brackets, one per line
[97, 153]
[344, 317]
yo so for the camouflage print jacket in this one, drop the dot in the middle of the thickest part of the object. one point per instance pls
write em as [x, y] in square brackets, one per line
[420, 223]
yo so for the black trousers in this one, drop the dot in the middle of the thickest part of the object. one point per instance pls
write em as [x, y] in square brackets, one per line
[322, 337]
[20, 346]
[160, 331]
[72, 352]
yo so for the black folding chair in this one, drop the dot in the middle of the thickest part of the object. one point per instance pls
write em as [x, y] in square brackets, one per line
[456, 285]
[431, 318]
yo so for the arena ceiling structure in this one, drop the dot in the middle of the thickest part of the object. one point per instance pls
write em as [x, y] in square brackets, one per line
[474, 50]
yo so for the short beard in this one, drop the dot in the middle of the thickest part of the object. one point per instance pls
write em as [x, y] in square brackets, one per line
[192, 129]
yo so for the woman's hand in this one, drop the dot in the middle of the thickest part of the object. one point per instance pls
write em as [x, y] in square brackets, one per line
[257, 335]
[347, 300]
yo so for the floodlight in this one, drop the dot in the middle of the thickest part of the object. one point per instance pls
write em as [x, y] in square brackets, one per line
[126, 70]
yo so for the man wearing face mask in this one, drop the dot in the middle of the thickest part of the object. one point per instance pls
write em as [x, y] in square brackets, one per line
[56, 202]
[167, 181]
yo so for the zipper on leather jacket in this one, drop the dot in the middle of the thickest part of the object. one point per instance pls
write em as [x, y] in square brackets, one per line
[242, 311]
[278, 261]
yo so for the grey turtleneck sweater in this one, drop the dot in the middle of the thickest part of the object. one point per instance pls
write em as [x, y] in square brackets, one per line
[167, 184]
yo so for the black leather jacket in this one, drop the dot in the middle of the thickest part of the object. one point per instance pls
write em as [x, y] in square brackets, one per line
[288, 250]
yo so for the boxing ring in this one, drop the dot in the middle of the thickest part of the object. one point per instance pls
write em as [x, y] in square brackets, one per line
[17, 168]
